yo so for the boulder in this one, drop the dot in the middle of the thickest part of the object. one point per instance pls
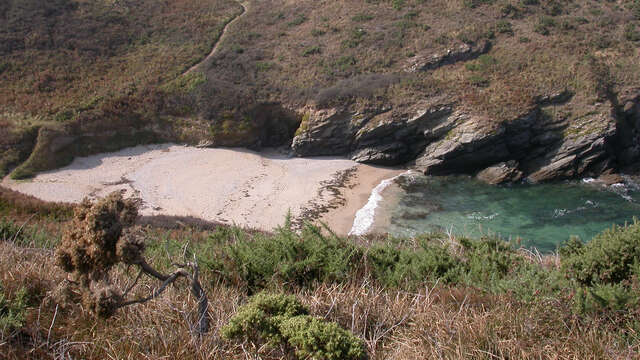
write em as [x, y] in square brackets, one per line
[503, 172]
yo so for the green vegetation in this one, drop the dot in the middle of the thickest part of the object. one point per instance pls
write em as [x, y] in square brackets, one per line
[281, 320]
[320, 295]
[12, 311]
[612, 257]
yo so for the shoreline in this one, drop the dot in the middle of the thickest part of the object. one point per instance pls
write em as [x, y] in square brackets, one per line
[228, 186]
[355, 195]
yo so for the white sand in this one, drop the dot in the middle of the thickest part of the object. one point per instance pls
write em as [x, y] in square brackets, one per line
[228, 185]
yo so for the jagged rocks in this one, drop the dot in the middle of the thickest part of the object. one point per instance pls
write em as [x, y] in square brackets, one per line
[555, 140]
[462, 52]
[324, 132]
[471, 146]
[376, 136]
[503, 172]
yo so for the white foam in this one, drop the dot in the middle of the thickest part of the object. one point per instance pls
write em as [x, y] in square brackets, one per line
[365, 217]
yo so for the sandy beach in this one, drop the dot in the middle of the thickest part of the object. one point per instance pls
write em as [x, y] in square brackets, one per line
[232, 186]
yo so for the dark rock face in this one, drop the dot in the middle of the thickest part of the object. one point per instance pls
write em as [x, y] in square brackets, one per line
[439, 139]
[628, 136]
[462, 52]
[324, 132]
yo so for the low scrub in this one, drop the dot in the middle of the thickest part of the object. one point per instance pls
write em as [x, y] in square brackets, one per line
[612, 257]
[12, 311]
[282, 322]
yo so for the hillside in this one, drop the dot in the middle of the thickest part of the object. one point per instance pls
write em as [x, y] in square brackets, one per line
[537, 89]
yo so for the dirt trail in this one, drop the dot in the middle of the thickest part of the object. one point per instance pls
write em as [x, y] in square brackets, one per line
[217, 44]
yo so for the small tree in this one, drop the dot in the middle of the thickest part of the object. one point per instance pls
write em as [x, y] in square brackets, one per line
[103, 234]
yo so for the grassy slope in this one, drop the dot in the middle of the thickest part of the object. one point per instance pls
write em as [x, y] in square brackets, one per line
[294, 50]
[432, 297]
[84, 62]
[79, 54]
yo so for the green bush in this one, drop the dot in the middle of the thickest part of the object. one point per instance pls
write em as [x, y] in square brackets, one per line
[362, 17]
[475, 3]
[298, 20]
[504, 27]
[8, 230]
[12, 311]
[544, 24]
[313, 338]
[400, 266]
[259, 320]
[609, 258]
[281, 321]
[311, 50]
[613, 297]
[290, 257]
[488, 260]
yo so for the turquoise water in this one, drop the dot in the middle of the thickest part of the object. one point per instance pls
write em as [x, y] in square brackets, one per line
[540, 216]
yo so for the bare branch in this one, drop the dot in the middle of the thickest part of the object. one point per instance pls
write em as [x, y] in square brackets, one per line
[130, 287]
[156, 292]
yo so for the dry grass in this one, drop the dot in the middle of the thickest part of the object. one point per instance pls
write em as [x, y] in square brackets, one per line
[434, 322]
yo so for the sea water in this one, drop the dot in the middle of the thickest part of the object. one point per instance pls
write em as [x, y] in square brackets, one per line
[540, 216]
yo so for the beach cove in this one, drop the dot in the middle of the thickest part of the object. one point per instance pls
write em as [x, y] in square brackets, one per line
[231, 186]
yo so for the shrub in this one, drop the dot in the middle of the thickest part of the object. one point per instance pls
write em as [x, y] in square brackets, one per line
[8, 230]
[311, 50]
[475, 3]
[407, 267]
[398, 4]
[317, 32]
[12, 311]
[279, 320]
[609, 258]
[298, 20]
[259, 320]
[313, 338]
[612, 297]
[631, 33]
[101, 235]
[488, 260]
[289, 257]
[362, 17]
[478, 80]
[504, 27]
[356, 36]
[544, 24]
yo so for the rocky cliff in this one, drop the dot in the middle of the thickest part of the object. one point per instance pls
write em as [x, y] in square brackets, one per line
[437, 136]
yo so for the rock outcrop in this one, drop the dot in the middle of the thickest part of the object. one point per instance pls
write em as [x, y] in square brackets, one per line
[439, 137]
[462, 52]
[503, 172]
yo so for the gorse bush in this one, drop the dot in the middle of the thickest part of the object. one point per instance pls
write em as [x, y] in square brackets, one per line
[289, 257]
[313, 338]
[100, 236]
[281, 321]
[400, 266]
[613, 297]
[259, 320]
[609, 258]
